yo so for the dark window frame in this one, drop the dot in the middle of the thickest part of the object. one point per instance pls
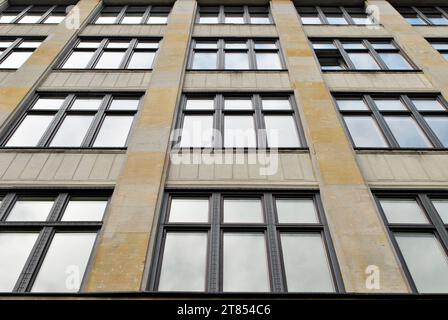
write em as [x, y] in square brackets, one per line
[321, 13]
[121, 11]
[246, 10]
[435, 224]
[104, 41]
[433, 41]
[419, 12]
[47, 229]
[60, 115]
[378, 117]
[53, 10]
[340, 53]
[257, 112]
[14, 47]
[270, 227]
[250, 49]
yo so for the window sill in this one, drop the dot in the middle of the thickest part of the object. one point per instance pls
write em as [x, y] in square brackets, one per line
[234, 24]
[101, 70]
[127, 24]
[238, 70]
[402, 150]
[374, 71]
[245, 150]
[62, 150]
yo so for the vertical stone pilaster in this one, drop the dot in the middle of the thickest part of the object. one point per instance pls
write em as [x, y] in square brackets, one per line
[359, 235]
[121, 255]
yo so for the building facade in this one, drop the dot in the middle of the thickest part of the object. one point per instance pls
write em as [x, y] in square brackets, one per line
[223, 146]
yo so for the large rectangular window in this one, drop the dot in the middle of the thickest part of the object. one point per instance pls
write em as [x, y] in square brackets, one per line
[259, 242]
[335, 15]
[133, 15]
[75, 121]
[348, 54]
[425, 16]
[46, 238]
[33, 14]
[15, 51]
[234, 15]
[237, 54]
[116, 53]
[418, 226]
[239, 121]
[395, 121]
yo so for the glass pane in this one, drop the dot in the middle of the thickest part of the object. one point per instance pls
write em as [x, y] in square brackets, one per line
[426, 260]
[324, 46]
[243, 211]
[7, 18]
[306, 264]
[118, 45]
[110, 60]
[442, 209]
[365, 132]
[106, 20]
[29, 209]
[5, 43]
[235, 45]
[440, 45]
[336, 20]
[204, 60]
[197, 132]
[239, 132]
[403, 211]
[189, 210]
[310, 20]
[407, 132]
[81, 209]
[88, 44]
[199, 104]
[124, 104]
[86, 104]
[157, 20]
[428, 105]
[439, 21]
[30, 131]
[234, 19]
[268, 61]
[281, 132]
[54, 19]
[296, 211]
[362, 20]
[131, 20]
[260, 20]
[206, 45]
[30, 18]
[440, 127]
[383, 46]
[78, 60]
[237, 104]
[245, 266]
[210, 19]
[30, 44]
[114, 131]
[14, 251]
[147, 45]
[395, 61]
[415, 21]
[15, 59]
[184, 262]
[353, 45]
[276, 104]
[390, 104]
[65, 262]
[265, 45]
[236, 61]
[355, 104]
[72, 131]
[48, 104]
[141, 60]
[363, 61]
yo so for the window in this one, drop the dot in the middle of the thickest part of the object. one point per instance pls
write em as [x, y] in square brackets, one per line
[65, 223]
[418, 226]
[33, 14]
[335, 15]
[133, 15]
[239, 121]
[234, 15]
[75, 121]
[241, 54]
[360, 55]
[15, 51]
[441, 46]
[395, 121]
[118, 53]
[223, 242]
[422, 16]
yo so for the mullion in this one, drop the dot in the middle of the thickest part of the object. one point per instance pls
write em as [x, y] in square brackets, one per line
[146, 15]
[375, 55]
[98, 52]
[260, 126]
[344, 54]
[422, 16]
[321, 15]
[246, 15]
[442, 12]
[121, 15]
[347, 16]
[128, 53]
[221, 54]
[435, 219]
[22, 14]
[97, 120]
[218, 121]
[213, 278]
[5, 54]
[6, 205]
[221, 15]
[46, 14]
[383, 126]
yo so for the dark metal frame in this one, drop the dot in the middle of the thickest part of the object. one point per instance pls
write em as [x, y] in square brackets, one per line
[246, 12]
[420, 13]
[433, 41]
[14, 47]
[122, 11]
[344, 11]
[60, 114]
[46, 229]
[435, 225]
[52, 10]
[411, 111]
[221, 51]
[341, 54]
[133, 42]
[257, 112]
[270, 227]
